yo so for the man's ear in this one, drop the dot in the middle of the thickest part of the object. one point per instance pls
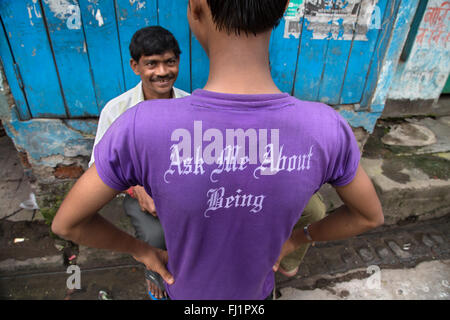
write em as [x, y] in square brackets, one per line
[195, 6]
[134, 67]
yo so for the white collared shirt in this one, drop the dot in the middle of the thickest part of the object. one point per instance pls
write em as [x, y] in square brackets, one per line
[115, 107]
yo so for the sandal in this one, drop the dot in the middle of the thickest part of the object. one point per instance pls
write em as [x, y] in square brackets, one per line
[157, 280]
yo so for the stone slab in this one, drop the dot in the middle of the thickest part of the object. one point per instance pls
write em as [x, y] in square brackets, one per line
[426, 281]
[31, 265]
[419, 195]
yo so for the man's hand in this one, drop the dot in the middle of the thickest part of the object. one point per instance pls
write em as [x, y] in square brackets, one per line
[361, 212]
[77, 220]
[145, 201]
[287, 248]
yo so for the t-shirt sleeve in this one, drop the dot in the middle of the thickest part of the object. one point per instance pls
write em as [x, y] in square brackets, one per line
[346, 155]
[115, 154]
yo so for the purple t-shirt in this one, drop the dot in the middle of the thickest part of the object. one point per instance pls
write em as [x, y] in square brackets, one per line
[230, 176]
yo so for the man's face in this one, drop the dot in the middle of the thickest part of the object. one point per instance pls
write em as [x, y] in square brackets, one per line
[158, 74]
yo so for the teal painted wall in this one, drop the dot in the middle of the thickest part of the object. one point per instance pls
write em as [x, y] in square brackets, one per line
[425, 72]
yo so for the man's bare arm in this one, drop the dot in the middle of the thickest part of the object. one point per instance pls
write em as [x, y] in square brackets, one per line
[78, 220]
[361, 212]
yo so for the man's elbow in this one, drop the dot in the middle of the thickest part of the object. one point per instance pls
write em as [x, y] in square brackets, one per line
[377, 220]
[61, 230]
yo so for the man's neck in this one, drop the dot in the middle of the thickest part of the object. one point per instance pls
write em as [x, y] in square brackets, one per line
[240, 65]
[150, 96]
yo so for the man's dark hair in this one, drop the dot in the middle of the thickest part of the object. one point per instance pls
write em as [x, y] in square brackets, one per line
[153, 40]
[248, 16]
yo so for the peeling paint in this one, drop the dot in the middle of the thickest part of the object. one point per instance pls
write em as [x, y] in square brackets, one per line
[58, 7]
[42, 139]
[2, 88]
[87, 128]
[30, 16]
[74, 20]
[99, 18]
[139, 4]
[384, 80]
[377, 108]
[66, 11]
[362, 119]
[391, 61]
[32, 9]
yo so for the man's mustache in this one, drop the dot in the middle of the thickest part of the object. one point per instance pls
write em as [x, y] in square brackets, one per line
[159, 78]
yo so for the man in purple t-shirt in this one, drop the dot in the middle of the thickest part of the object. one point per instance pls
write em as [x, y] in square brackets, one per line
[230, 168]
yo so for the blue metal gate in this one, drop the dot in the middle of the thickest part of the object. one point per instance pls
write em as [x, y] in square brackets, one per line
[67, 58]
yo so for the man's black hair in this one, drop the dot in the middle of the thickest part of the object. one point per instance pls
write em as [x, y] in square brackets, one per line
[153, 40]
[248, 16]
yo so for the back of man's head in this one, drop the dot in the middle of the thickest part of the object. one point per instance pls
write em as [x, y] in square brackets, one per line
[247, 16]
[153, 40]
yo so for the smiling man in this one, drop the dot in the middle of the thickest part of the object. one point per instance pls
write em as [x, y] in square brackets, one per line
[155, 57]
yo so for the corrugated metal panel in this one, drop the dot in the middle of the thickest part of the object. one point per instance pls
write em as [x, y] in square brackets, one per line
[313, 50]
[380, 51]
[70, 51]
[103, 48]
[26, 31]
[14, 80]
[360, 59]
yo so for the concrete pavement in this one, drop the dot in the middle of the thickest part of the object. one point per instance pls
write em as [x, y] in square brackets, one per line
[429, 280]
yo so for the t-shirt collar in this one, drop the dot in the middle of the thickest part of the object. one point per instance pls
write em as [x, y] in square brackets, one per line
[210, 98]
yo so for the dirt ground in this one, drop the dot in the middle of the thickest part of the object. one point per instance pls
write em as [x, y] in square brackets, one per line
[37, 243]
[52, 286]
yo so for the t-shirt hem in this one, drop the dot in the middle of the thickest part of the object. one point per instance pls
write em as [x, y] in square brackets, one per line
[264, 296]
